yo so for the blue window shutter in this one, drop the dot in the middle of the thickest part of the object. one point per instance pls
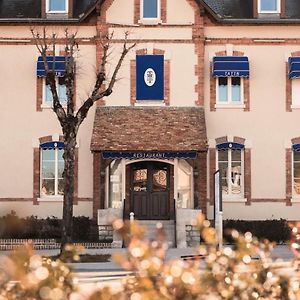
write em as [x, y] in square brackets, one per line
[150, 77]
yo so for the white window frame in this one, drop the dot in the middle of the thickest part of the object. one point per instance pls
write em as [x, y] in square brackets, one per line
[230, 195]
[48, 11]
[268, 11]
[229, 102]
[56, 195]
[150, 20]
[47, 104]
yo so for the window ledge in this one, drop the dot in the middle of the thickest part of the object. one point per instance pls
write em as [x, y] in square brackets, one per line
[294, 106]
[51, 199]
[234, 200]
[149, 21]
[295, 199]
[238, 106]
[149, 103]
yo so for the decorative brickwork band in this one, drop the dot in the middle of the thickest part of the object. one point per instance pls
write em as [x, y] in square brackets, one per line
[221, 140]
[288, 172]
[247, 177]
[201, 181]
[39, 93]
[246, 94]
[213, 95]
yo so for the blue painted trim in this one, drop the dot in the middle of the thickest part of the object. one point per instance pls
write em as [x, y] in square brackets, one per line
[52, 145]
[230, 66]
[149, 155]
[233, 146]
[296, 147]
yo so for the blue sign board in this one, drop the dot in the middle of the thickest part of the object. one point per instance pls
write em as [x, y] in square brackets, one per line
[55, 63]
[150, 77]
[149, 155]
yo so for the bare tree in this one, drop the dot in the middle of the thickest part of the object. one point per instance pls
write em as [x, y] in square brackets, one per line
[69, 118]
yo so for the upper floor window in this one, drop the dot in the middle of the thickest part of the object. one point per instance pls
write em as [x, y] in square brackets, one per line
[57, 6]
[231, 166]
[229, 90]
[61, 91]
[150, 9]
[52, 166]
[269, 6]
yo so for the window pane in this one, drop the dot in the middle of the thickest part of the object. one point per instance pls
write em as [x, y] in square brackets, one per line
[236, 89]
[159, 181]
[60, 188]
[48, 154]
[47, 187]
[223, 89]
[296, 91]
[60, 169]
[150, 9]
[140, 180]
[57, 5]
[223, 167]
[236, 174]
[236, 155]
[268, 5]
[48, 169]
[48, 95]
[115, 184]
[223, 155]
[60, 154]
[62, 91]
[185, 172]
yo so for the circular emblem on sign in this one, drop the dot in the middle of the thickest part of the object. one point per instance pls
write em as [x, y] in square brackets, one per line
[150, 77]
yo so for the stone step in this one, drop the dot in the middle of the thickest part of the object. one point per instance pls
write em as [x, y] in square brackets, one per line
[169, 228]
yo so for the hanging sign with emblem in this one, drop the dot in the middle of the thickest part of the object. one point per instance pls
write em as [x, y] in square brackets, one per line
[150, 77]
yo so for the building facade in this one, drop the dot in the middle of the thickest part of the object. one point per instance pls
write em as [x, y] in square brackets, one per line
[209, 85]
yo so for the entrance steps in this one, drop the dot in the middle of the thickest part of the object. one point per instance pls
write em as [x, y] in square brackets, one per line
[168, 226]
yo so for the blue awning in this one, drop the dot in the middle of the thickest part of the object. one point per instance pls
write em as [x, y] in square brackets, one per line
[149, 155]
[294, 67]
[296, 147]
[52, 145]
[232, 146]
[230, 66]
[55, 63]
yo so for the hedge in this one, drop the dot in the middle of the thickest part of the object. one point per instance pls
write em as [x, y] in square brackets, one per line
[13, 227]
[273, 230]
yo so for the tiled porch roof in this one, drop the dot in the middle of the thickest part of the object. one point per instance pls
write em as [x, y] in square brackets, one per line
[149, 129]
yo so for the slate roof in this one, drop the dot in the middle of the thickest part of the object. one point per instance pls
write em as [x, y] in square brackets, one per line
[31, 9]
[149, 129]
[242, 11]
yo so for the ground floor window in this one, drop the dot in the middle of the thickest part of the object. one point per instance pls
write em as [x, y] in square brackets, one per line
[296, 172]
[52, 167]
[185, 184]
[230, 164]
[114, 173]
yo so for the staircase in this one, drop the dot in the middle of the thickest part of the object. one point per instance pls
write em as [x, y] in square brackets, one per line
[169, 228]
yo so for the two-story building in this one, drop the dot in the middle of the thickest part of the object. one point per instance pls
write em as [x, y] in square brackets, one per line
[211, 84]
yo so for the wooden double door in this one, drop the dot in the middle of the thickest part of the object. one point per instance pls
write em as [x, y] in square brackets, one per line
[150, 190]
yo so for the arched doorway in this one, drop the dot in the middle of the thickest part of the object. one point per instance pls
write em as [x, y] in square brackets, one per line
[150, 190]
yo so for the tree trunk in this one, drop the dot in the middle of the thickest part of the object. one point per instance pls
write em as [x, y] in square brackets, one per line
[68, 175]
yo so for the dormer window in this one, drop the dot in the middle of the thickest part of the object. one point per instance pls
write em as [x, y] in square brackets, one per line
[57, 6]
[269, 6]
[150, 10]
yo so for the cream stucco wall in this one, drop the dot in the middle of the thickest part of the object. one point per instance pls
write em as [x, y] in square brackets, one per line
[267, 127]
[178, 12]
[22, 125]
